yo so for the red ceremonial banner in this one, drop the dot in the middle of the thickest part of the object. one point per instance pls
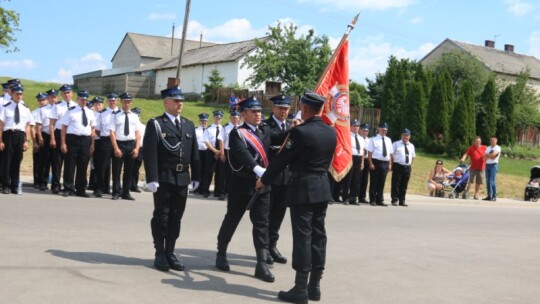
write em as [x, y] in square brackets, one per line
[334, 84]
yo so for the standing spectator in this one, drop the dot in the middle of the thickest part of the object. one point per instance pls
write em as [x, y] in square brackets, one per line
[233, 103]
[43, 127]
[353, 178]
[478, 164]
[126, 141]
[213, 137]
[15, 127]
[404, 155]
[37, 139]
[493, 152]
[139, 160]
[77, 143]
[170, 152]
[436, 178]
[364, 132]
[96, 104]
[380, 162]
[57, 157]
[199, 133]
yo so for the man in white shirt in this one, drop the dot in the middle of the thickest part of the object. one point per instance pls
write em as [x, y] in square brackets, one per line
[37, 140]
[364, 132]
[353, 179]
[404, 154]
[57, 112]
[137, 162]
[213, 137]
[493, 152]
[43, 129]
[126, 141]
[15, 127]
[199, 133]
[224, 168]
[380, 162]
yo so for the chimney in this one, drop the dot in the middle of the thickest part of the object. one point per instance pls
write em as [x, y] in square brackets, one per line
[490, 44]
[509, 48]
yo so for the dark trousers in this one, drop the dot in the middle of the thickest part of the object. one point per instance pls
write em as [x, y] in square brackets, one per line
[169, 206]
[277, 212]
[102, 164]
[45, 160]
[338, 188]
[35, 163]
[364, 180]
[377, 181]
[221, 177]
[137, 162]
[352, 180]
[309, 236]
[11, 158]
[202, 168]
[76, 160]
[57, 160]
[208, 172]
[127, 161]
[400, 180]
[236, 207]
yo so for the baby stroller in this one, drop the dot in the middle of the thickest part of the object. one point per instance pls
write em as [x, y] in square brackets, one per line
[532, 191]
[457, 182]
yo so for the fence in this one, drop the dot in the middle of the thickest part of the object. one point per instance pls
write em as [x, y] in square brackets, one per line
[137, 85]
[528, 137]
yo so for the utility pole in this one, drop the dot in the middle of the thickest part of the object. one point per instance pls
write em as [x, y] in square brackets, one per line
[184, 31]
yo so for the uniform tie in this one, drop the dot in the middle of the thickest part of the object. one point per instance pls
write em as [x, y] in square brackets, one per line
[357, 144]
[126, 125]
[406, 155]
[84, 118]
[17, 114]
[283, 127]
[177, 123]
[384, 152]
[217, 134]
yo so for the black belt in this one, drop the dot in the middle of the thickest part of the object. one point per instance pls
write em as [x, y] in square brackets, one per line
[302, 174]
[492, 164]
[177, 167]
[379, 160]
[398, 164]
[13, 131]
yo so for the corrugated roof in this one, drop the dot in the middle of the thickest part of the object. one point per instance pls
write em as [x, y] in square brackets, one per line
[160, 46]
[501, 61]
[204, 55]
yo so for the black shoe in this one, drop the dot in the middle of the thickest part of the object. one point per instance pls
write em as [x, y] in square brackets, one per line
[364, 201]
[404, 205]
[261, 270]
[276, 255]
[128, 197]
[82, 194]
[5, 191]
[372, 204]
[353, 201]
[221, 197]
[206, 195]
[493, 199]
[336, 199]
[115, 197]
[136, 189]
[161, 262]
[222, 263]
[98, 194]
[269, 259]
[299, 293]
[174, 263]
[486, 198]
[345, 202]
[42, 188]
[314, 286]
[394, 203]
[66, 194]
[55, 190]
[382, 204]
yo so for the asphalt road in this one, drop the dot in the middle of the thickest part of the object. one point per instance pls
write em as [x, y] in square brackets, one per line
[74, 250]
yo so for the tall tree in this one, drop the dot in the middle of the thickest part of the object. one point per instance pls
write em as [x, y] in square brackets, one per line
[527, 104]
[462, 124]
[437, 117]
[376, 89]
[486, 117]
[424, 77]
[358, 94]
[215, 81]
[297, 62]
[9, 24]
[506, 128]
[413, 116]
[393, 96]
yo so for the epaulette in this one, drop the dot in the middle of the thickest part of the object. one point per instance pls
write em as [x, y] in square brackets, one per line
[58, 102]
[263, 124]
[24, 105]
[226, 124]
[116, 112]
[7, 104]
[273, 123]
[71, 108]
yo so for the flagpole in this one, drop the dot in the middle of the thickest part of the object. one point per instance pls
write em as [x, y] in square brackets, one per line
[350, 27]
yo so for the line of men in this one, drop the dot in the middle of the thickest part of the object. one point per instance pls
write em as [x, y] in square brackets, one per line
[373, 158]
[66, 136]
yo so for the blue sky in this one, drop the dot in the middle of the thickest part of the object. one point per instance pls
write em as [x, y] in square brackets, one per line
[60, 38]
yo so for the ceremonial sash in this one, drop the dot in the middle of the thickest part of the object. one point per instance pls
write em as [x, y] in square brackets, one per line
[256, 144]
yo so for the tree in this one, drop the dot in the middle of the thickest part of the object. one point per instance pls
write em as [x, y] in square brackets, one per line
[358, 94]
[506, 128]
[462, 129]
[462, 67]
[486, 117]
[413, 116]
[375, 89]
[9, 24]
[527, 104]
[425, 78]
[437, 117]
[298, 62]
[393, 96]
[215, 82]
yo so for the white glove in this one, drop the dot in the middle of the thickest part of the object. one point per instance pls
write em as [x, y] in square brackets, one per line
[194, 185]
[259, 170]
[152, 186]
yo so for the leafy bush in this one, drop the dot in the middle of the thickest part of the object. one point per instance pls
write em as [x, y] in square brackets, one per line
[521, 152]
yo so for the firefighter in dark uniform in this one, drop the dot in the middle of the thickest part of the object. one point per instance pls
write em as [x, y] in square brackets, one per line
[248, 159]
[279, 126]
[170, 149]
[308, 150]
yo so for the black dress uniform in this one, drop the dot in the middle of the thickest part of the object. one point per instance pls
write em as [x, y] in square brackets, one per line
[380, 157]
[15, 122]
[77, 130]
[308, 150]
[244, 161]
[404, 154]
[170, 150]
[278, 207]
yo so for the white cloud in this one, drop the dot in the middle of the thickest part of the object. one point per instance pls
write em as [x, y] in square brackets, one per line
[162, 16]
[26, 64]
[415, 20]
[362, 4]
[534, 41]
[87, 63]
[519, 7]
[231, 30]
[370, 56]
